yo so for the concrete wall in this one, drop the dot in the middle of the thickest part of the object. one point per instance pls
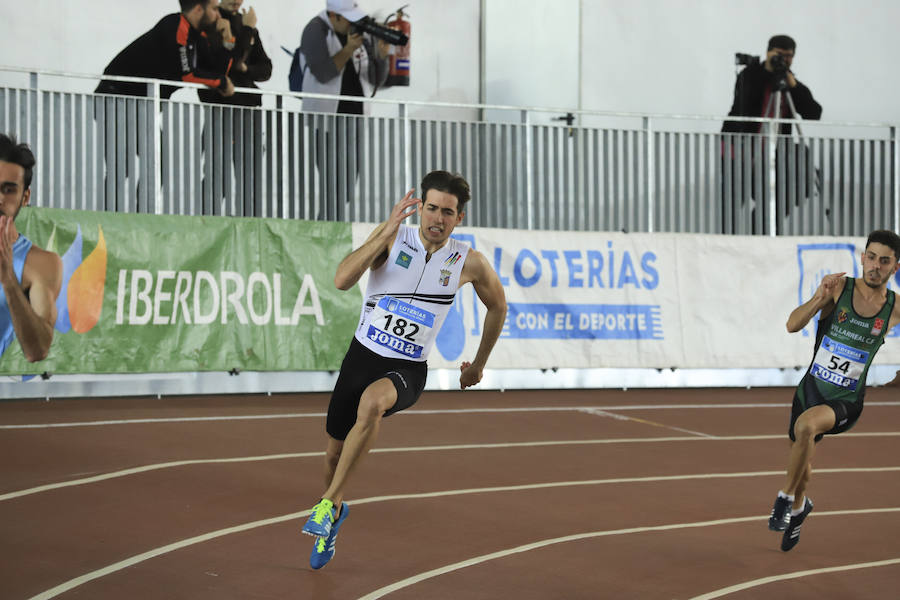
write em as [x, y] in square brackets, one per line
[660, 56]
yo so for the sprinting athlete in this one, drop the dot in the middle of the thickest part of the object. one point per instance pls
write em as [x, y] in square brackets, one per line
[855, 316]
[414, 275]
[30, 277]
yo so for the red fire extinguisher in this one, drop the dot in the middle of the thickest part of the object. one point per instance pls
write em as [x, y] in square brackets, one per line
[399, 73]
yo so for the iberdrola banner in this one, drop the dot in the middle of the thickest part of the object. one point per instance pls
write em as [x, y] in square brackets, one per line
[145, 293]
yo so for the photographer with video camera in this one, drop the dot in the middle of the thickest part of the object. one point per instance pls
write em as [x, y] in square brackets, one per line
[342, 52]
[763, 89]
[759, 80]
[336, 57]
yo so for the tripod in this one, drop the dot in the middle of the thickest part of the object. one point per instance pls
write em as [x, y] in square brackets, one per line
[780, 97]
[777, 98]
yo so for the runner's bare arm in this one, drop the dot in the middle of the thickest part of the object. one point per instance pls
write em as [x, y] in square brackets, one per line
[374, 250]
[34, 315]
[823, 300]
[490, 291]
[895, 314]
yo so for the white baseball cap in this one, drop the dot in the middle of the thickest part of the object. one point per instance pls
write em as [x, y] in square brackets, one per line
[349, 9]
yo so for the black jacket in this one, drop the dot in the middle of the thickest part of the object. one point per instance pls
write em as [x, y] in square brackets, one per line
[171, 50]
[752, 90]
[248, 48]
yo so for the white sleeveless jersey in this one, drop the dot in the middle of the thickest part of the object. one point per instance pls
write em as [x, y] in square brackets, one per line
[407, 299]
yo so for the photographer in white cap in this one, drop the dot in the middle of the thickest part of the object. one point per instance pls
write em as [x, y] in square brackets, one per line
[338, 60]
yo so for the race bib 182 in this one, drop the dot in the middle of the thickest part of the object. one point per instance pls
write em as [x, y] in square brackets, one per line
[401, 327]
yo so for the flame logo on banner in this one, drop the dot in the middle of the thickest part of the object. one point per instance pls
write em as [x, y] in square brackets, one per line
[80, 298]
[85, 290]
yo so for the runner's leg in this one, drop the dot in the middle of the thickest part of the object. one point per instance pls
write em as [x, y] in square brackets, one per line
[376, 399]
[332, 456]
[815, 421]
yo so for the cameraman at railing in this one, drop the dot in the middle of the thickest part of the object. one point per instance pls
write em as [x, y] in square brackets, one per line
[250, 61]
[176, 49]
[760, 88]
[756, 83]
[337, 59]
[250, 64]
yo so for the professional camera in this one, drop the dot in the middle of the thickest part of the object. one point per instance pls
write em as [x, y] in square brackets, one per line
[745, 59]
[779, 65]
[391, 36]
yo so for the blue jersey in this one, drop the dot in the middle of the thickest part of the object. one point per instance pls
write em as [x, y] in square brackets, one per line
[21, 248]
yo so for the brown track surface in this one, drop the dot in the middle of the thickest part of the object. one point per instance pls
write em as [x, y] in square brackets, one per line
[631, 474]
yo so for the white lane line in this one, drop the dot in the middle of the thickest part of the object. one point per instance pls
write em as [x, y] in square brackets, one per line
[147, 468]
[450, 447]
[605, 413]
[795, 575]
[78, 581]
[379, 593]
[181, 544]
[155, 552]
[408, 412]
[162, 420]
[411, 412]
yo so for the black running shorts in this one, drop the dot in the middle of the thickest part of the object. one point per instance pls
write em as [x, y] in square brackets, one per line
[362, 367]
[845, 413]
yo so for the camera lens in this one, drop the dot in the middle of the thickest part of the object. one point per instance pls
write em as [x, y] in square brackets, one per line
[778, 63]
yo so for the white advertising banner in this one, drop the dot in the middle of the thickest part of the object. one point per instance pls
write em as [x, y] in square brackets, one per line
[592, 300]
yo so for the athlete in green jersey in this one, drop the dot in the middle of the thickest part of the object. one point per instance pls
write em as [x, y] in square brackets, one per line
[855, 314]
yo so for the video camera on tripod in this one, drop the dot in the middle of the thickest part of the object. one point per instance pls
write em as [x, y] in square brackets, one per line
[778, 63]
[391, 36]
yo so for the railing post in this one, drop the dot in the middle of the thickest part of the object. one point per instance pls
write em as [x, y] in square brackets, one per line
[284, 165]
[37, 128]
[156, 137]
[406, 147]
[772, 168]
[528, 169]
[649, 149]
[895, 173]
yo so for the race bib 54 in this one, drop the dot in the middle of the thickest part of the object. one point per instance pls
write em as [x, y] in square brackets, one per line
[839, 364]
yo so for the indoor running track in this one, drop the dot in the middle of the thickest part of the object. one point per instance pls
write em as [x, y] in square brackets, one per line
[469, 495]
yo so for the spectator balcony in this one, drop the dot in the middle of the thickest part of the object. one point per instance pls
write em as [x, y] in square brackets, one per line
[590, 171]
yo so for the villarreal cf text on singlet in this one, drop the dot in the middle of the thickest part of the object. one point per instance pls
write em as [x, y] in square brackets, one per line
[846, 343]
[20, 249]
[408, 298]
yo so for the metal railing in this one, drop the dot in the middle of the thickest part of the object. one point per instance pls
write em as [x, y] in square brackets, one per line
[613, 171]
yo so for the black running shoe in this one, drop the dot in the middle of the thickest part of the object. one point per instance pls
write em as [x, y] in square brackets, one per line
[781, 514]
[792, 533]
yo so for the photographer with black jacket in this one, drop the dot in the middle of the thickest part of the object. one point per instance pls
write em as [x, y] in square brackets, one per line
[756, 83]
[250, 61]
[238, 131]
[756, 94]
[338, 58]
[177, 48]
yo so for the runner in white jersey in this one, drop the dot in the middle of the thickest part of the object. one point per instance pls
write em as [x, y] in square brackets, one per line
[408, 299]
[855, 315]
[414, 273]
